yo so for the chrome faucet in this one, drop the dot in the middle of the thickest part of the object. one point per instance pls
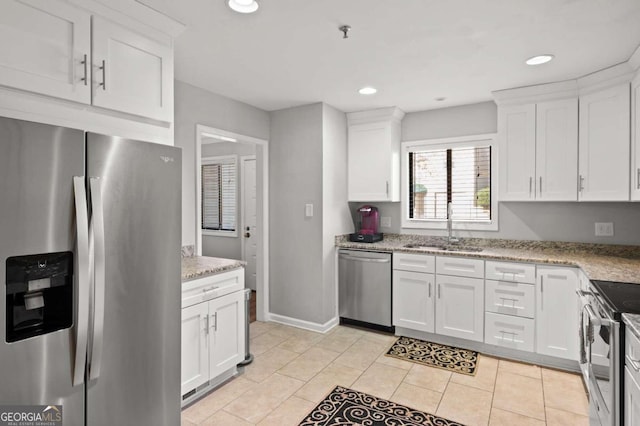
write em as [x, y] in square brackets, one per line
[450, 239]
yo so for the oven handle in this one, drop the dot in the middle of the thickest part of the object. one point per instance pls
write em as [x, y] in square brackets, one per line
[596, 320]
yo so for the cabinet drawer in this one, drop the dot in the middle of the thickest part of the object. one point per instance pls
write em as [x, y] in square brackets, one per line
[213, 286]
[414, 262]
[508, 331]
[507, 271]
[632, 354]
[510, 298]
[460, 267]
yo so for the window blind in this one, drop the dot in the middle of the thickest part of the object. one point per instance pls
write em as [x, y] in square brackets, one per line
[461, 176]
[219, 196]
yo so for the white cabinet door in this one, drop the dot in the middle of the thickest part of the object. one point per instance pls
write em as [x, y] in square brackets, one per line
[45, 48]
[131, 73]
[195, 348]
[227, 332]
[516, 154]
[413, 300]
[631, 399]
[460, 307]
[635, 138]
[557, 312]
[557, 150]
[604, 145]
[373, 157]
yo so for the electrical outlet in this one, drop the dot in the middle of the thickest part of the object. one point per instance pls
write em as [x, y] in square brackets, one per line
[385, 222]
[604, 229]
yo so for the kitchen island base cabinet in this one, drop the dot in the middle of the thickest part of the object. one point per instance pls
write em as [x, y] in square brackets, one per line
[195, 350]
[460, 307]
[413, 302]
[557, 312]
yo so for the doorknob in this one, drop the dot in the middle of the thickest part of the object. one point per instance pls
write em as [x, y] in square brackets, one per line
[247, 234]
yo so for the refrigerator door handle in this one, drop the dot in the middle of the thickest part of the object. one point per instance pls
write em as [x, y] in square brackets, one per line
[97, 231]
[82, 321]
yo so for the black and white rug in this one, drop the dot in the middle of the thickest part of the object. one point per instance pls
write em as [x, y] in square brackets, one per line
[448, 358]
[345, 406]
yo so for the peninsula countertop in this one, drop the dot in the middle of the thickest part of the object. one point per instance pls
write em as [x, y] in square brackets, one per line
[599, 261]
[200, 266]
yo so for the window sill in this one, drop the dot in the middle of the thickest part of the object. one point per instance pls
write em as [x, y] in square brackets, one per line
[213, 233]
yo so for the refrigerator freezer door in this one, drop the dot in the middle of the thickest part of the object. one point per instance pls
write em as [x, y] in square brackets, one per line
[37, 166]
[139, 373]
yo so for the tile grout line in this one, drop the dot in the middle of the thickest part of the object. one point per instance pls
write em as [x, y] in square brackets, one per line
[493, 393]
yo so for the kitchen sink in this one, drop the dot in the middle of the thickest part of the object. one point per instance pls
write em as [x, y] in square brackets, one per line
[445, 247]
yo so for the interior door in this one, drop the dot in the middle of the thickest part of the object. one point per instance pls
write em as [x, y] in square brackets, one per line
[249, 220]
[139, 363]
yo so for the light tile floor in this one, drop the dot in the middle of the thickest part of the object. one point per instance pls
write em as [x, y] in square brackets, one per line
[295, 369]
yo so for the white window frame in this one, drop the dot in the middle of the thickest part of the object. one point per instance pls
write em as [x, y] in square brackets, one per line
[488, 139]
[226, 159]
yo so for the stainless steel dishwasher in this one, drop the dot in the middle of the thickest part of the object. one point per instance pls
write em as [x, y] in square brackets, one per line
[364, 282]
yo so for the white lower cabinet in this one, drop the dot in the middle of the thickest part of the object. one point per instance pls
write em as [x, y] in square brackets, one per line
[460, 307]
[509, 331]
[631, 399]
[213, 330]
[413, 302]
[557, 312]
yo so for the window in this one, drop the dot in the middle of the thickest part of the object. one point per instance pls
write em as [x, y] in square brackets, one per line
[458, 172]
[219, 200]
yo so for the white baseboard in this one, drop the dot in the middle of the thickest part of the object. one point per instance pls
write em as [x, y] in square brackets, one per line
[307, 325]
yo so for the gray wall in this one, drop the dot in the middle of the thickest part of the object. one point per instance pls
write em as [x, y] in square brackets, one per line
[227, 247]
[522, 221]
[197, 106]
[295, 247]
[335, 210]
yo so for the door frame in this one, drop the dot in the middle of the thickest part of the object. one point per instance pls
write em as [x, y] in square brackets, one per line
[262, 264]
[242, 160]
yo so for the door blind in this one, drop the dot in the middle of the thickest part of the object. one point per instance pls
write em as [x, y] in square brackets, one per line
[219, 196]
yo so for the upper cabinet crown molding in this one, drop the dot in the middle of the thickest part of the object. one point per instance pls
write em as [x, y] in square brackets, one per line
[538, 93]
[375, 115]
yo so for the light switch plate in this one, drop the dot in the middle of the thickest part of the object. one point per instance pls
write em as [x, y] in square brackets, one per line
[604, 229]
[308, 210]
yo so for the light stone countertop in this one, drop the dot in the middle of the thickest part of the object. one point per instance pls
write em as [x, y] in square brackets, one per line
[599, 261]
[633, 321]
[199, 266]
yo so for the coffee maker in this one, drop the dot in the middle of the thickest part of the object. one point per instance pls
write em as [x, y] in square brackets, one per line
[367, 220]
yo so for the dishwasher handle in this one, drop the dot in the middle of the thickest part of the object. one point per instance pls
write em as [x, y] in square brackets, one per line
[364, 259]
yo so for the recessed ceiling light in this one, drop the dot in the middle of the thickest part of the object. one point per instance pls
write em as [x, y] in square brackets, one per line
[539, 60]
[367, 91]
[243, 6]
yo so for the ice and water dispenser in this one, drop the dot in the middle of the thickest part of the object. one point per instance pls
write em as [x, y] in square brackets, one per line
[39, 294]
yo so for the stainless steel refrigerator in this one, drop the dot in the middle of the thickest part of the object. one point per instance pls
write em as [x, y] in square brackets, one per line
[90, 234]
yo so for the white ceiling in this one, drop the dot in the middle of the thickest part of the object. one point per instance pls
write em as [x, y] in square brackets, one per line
[291, 52]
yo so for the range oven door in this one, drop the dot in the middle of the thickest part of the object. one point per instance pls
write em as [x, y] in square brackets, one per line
[599, 360]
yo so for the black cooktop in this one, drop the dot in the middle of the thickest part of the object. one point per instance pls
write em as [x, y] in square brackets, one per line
[621, 297]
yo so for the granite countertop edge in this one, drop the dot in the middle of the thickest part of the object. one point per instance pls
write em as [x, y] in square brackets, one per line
[598, 261]
[194, 267]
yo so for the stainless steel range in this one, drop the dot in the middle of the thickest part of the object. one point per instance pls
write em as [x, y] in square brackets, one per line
[602, 347]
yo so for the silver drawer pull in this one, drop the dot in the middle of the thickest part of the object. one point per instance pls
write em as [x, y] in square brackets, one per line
[635, 364]
[207, 290]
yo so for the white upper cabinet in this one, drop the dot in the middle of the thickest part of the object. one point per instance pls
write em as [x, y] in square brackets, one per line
[604, 145]
[45, 48]
[538, 151]
[131, 73]
[557, 150]
[374, 155]
[635, 138]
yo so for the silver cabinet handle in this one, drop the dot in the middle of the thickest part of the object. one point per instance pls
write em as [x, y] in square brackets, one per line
[387, 188]
[104, 75]
[439, 292]
[429, 289]
[215, 321]
[363, 259]
[206, 327]
[83, 280]
[96, 232]
[530, 185]
[638, 179]
[541, 292]
[635, 364]
[84, 64]
[581, 184]
[540, 185]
